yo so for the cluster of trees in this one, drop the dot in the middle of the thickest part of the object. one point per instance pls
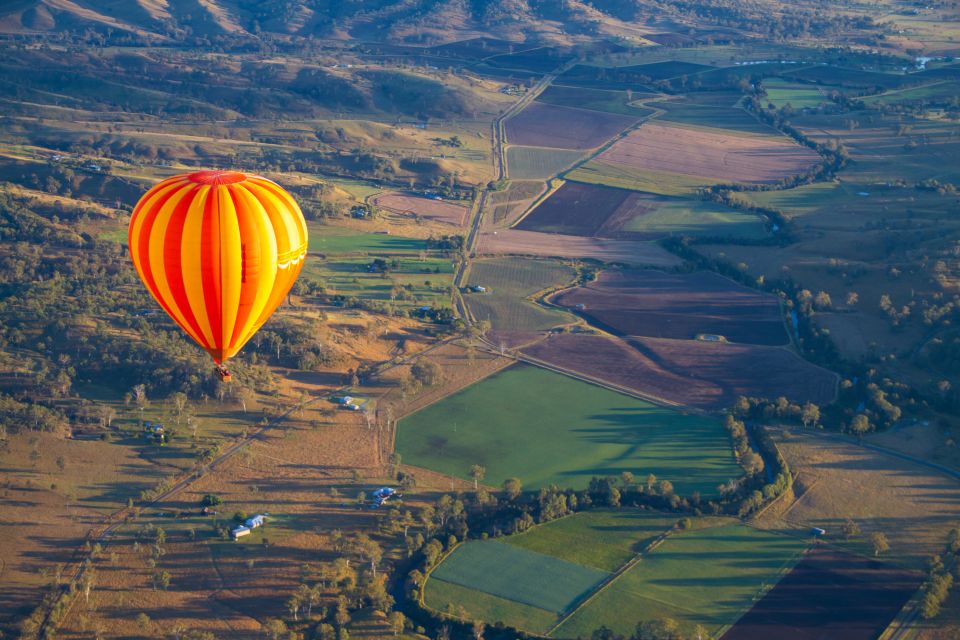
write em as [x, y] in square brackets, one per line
[658, 629]
[939, 579]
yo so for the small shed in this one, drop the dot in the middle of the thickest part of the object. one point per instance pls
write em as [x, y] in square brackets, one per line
[239, 532]
[817, 531]
[256, 521]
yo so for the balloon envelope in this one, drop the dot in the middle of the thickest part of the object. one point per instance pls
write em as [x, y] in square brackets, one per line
[219, 250]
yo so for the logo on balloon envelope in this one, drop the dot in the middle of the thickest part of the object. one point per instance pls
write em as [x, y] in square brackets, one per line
[219, 251]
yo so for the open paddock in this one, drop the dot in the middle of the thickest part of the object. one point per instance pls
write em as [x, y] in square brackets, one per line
[410, 204]
[710, 155]
[577, 209]
[681, 306]
[547, 125]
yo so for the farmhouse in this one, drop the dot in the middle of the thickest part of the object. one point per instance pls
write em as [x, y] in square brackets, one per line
[256, 521]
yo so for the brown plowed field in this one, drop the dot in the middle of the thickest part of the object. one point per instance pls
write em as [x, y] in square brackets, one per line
[533, 243]
[714, 155]
[829, 594]
[697, 374]
[547, 125]
[744, 370]
[665, 305]
[438, 210]
[614, 361]
[582, 209]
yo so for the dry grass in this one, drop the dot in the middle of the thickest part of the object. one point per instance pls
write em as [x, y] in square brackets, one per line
[912, 505]
[438, 210]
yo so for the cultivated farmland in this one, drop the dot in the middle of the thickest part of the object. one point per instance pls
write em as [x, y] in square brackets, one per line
[514, 573]
[598, 99]
[708, 375]
[410, 204]
[829, 594]
[664, 305]
[577, 430]
[525, 163]
[514, 580]
[547, 125]
[509, 284]
[710, 155]
[534, 243]
[576, 209]
[511, 202]
[704, 577]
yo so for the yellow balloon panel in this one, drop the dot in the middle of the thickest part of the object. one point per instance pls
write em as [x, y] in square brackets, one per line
[219, 250]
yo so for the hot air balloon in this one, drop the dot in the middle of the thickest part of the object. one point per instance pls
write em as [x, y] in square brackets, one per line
[219, 250]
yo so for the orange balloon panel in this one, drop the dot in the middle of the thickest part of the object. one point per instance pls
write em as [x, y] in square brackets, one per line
[219, 250]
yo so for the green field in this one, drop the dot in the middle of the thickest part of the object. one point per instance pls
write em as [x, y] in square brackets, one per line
[717, 117]
[603, 540]
[937, 92]
[510, 281]
[517, 574]
[709, 577]
[425, 282]
[798, 95]
[696, 218]
[546, 428]
[622, 176]
[525, 163]
[449, 598]
[328, 239]
[597, 99]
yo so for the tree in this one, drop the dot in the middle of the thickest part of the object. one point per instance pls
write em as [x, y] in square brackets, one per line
[478, 628]
[880, 543]
[852, 298]
[426, 372]
[145, 624]
[477, 472]
[397, 622]
[810, 414]
[512, 487]
[850, 529]
[822, 300]
[860, 425]
[342, 616]
[275, 629]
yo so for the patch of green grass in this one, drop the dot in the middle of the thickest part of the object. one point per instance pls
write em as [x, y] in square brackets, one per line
[696, 218]
[708, 577]
[624, 177]
[545, 428]
[604, 540]
[524, 163]
[797, 95]
[448, 597]
[514, 573]
[732, 119]
[425, 282]
[509, 282]
[937, 92]
[327, 239]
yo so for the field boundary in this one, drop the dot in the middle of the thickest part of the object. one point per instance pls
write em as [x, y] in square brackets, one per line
[629, 564]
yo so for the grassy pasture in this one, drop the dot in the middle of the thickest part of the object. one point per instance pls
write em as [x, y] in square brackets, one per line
[510, 282]
[514, 573]
[710, 577]
[597, 99]
[935, 92]
[604, 540]
[447, 596]
[686, 216]
[799, 96]
[348, 276]
[327, 239]
[576, 430]
[731, 119]
[524, 163]
[624, 177]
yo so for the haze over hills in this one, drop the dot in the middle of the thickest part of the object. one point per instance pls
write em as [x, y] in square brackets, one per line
[620, 319]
